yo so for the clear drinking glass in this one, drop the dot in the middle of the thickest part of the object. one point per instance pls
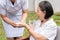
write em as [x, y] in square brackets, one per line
[32, 22]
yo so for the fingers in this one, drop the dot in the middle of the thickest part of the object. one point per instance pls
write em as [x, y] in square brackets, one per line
[14, 24]
[18, 25]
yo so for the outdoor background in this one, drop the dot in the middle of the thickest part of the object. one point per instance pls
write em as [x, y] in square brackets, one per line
[32, 15]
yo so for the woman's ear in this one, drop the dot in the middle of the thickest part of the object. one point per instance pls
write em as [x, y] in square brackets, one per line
[45, 12]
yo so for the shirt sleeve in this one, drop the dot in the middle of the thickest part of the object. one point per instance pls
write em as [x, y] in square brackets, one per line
[2, 8]
[49, 32]
[25, 4]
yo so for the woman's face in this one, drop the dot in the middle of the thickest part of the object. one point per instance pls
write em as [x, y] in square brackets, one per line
[40, 14]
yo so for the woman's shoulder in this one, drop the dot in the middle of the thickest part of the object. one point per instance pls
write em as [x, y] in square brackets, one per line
[51, 23]
[3, 2]
[24, 1]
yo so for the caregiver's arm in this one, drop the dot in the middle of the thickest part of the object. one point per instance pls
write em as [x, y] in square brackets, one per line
[7, 20]
[24, 15]
[36, 36]
[24, 10]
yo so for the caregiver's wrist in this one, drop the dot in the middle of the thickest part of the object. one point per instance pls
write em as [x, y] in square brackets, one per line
[11, 23]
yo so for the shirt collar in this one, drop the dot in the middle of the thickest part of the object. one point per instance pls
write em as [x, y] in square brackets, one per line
[46, 23]
[16, 3]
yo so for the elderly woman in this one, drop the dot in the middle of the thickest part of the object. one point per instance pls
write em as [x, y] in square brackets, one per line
[45, 28]
[13, 12]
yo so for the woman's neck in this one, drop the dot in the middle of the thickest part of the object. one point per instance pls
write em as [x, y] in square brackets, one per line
[43, 21]
[13, 1]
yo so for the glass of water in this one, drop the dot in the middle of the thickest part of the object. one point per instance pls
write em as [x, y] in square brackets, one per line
[32, 22]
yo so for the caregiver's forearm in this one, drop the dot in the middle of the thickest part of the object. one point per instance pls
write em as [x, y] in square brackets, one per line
[6, 19]
[24, 15]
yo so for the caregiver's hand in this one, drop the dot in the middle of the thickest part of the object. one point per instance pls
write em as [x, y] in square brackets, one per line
[14, 24]
[22, 24]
